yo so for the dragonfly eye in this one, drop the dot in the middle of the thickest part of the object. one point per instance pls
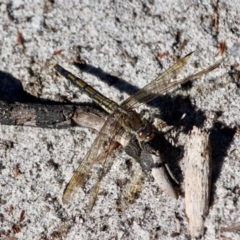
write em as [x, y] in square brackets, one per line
[150, 136]
[145, 134]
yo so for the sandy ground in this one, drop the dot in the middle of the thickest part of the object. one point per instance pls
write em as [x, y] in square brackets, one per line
[133, 41]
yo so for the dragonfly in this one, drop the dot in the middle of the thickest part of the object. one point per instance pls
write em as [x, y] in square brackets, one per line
[125, 118]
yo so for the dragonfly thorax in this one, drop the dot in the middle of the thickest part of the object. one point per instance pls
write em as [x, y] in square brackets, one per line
[133, 123]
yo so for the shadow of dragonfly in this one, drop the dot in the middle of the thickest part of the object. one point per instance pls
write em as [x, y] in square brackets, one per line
[126, 124]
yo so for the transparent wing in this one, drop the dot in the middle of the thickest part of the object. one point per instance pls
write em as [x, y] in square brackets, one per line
[152, 89]
[135, 185]
[106, 165]
[129, 194]
[164, 83]
[95, 190]
[86, 164]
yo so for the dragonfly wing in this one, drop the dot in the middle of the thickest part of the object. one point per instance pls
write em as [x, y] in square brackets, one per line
[95, 190]
[86, 164]
[106, 165]
[150, 91]
[136, 181]
[135, 185]
[165, 83]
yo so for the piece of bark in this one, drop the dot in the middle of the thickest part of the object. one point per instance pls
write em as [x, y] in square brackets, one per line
[161, 178]
[38, 115]
[198, 174]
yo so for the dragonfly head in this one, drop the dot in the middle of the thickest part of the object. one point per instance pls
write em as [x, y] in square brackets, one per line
[145, 133]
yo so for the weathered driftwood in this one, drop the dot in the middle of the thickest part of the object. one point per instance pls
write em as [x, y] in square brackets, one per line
[40, 115]
[64, 116]
[197, 180]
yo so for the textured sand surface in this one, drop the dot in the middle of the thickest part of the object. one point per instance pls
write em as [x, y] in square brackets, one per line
[127, 39]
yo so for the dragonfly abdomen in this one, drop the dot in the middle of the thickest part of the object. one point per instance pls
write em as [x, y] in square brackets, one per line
[108, 105]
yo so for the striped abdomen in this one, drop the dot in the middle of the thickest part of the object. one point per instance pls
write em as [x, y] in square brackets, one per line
[104, 102]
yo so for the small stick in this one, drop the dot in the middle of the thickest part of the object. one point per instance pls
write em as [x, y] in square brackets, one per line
[198, 175]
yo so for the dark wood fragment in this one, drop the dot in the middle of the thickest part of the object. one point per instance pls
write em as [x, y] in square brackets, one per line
[46, 115]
